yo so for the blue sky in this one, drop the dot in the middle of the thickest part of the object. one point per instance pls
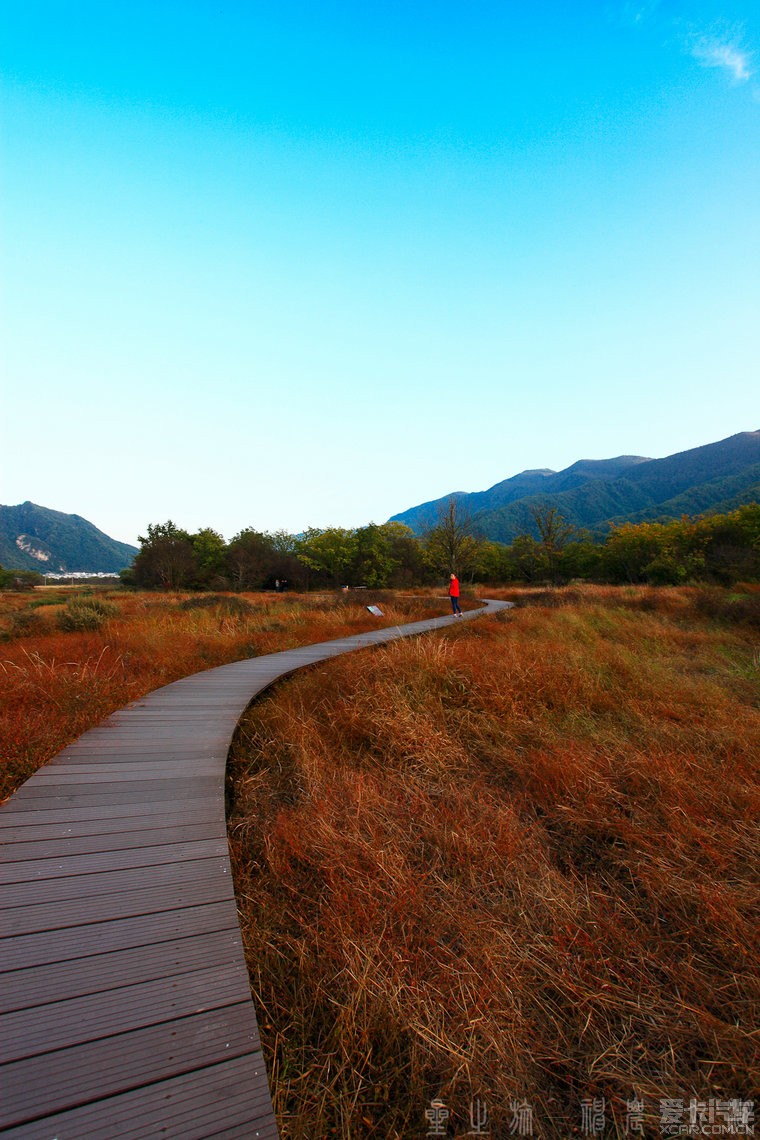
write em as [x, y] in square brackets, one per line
[309, 264]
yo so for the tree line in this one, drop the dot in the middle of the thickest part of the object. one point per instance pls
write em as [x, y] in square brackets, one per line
[19, 579]
[721, 548]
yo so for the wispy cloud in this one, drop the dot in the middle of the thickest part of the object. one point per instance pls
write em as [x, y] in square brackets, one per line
[723, 50]
[721, 45]
[639, 12]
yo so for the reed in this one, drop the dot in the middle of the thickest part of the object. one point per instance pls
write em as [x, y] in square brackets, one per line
[515, 863]
[68, 661]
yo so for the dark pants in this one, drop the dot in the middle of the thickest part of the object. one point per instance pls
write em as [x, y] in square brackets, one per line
[455, 605]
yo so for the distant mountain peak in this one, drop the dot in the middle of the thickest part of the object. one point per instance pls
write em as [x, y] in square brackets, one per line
[38, 538]
[621, 460]
[592, 493]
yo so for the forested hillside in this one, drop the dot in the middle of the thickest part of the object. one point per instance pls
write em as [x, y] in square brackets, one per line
[595, 494]
[36, 538]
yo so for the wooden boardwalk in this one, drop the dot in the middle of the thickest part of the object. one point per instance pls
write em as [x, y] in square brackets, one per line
[125, 1005]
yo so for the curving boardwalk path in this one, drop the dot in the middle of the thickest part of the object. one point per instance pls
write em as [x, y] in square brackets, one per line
[125, 1005]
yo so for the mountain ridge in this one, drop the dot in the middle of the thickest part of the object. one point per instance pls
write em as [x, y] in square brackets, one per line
[595, 494]
[38, 538]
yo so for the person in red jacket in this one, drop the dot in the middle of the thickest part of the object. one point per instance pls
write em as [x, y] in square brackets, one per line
[454, 595]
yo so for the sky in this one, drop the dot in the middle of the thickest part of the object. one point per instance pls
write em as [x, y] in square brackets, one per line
[312, 263]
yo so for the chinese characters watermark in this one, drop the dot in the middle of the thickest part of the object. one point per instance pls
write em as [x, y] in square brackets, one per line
[676, 1116]
[712, 1117]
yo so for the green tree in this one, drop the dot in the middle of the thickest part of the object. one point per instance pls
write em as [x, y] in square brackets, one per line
[451, 546]
[283, 543]
[166, 558]
[386, 555]
[250, 559]
[287, 566]
[328, 552]
[210, 551]
[732, 545]
[555, 532]
[20, 579]
[658, 553]
[529, 559]
[374, 562]
[628, 550]
[256, 560]
[581, 559]
[407, 554]
[495, 563]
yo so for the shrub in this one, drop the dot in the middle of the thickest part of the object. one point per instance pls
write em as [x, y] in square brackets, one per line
[228, 605]
[85, 613]
[26, 623]
[739, 608]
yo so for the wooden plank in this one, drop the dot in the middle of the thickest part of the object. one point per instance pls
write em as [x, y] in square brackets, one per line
[92, 1016]
[120, 791]
[115, 798]
[69, 912]
[98, 973]
[191, 811]
[112, 836]
[60, 944]
[190, 1107]
[125, 753]
[113, 881]
[34, 870]
[242, 1132]
[116, 758]
[66, 1078]
[85, 776]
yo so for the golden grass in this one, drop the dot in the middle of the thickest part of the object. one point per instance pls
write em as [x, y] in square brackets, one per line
[515, 862]
[55, 684]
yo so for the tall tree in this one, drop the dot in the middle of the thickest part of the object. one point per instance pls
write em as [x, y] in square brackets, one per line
[166, 557]
[555, 532]
[210, 552]
[407, 554]
[374, 562]
[451, 545]
[250, 559]
[329, 552]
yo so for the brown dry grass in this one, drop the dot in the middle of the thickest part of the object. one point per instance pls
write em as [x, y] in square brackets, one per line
[55, 684]
[516, 861]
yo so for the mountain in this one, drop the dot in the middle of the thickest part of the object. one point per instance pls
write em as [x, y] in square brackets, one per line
[36, 538]
[594, 494]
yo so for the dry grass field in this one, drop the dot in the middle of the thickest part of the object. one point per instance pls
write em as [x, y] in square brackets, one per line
[512, 867]
[69, 658]
[509, 867]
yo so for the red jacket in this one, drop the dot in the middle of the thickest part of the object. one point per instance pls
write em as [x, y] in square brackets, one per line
[454, 588]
